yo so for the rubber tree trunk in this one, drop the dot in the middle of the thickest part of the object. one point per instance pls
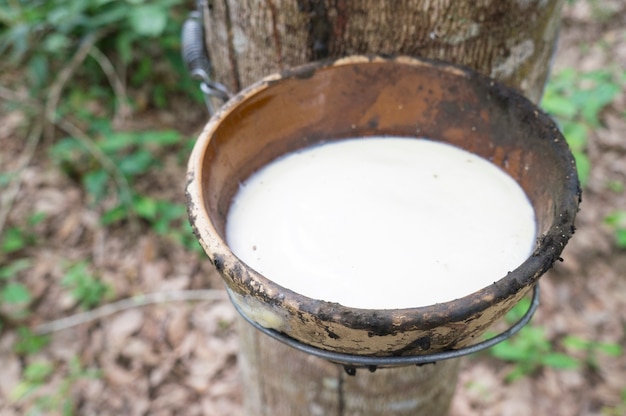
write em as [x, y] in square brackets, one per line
[512, 41]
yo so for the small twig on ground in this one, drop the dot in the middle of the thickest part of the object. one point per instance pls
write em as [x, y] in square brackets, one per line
[9, 196]
[123, 109]
[129, 303]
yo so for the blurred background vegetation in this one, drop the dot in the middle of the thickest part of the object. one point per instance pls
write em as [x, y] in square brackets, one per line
[80, 70]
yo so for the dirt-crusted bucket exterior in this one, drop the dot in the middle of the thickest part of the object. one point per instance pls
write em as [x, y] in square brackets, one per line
[370, 95]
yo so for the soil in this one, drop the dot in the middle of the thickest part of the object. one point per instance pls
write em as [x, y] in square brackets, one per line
[181, 357]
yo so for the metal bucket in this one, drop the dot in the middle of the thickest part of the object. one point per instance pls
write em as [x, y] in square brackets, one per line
[364, 96]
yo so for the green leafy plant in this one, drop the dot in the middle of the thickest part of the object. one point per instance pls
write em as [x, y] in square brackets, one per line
[43, 38]
[167, 219]
[591, 349]
[130, 154]
[615, 185]
[122, 159]
[530, 349]
[87, 289]
[35, 377]
[28, 342]
[617, 222]
[113, 51]
[12, 291]
[15, 239]
[576, 100]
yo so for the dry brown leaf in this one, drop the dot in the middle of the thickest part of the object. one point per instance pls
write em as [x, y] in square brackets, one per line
[220, 406]
[10, 122]
[201, 371]
[153, 274]
[11, 374]
[71, 227]
[515, 400]
[187, 346]
[170, 396]
[177, 325]
[122, 326]
[139, 351]
[227, 384]
[116, 375]
[175, 283]
[64, 345]
[215, 319]
[163, 370]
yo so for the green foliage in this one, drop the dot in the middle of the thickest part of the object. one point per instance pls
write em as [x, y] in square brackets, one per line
[14, 292]
[16, 239]
[591, 349]
[6, 178]
[529, 350]
[29, 343]
[576, 101]
[11, 270]
[166, 218]
[15, 297]
[617, 222]
[134, 155]
[615, 185]
[42, 37]
[87, 289]
[35, 377]
[96, 42]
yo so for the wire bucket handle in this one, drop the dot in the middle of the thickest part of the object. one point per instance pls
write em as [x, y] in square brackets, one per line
[351, 362]
[196, 58]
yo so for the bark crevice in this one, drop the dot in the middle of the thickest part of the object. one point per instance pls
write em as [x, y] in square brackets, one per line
[232, 57]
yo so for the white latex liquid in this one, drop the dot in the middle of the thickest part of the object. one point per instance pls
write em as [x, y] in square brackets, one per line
[382, 223]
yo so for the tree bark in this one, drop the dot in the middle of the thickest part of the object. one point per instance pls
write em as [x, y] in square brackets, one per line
[279, 380]
[512, 41]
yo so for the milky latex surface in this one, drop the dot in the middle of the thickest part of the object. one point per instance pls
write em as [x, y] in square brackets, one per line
[382, 223]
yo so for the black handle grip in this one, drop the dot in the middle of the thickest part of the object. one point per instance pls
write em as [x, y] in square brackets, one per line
[193, 50]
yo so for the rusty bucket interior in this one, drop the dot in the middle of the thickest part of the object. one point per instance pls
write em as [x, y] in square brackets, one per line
[363, 96]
